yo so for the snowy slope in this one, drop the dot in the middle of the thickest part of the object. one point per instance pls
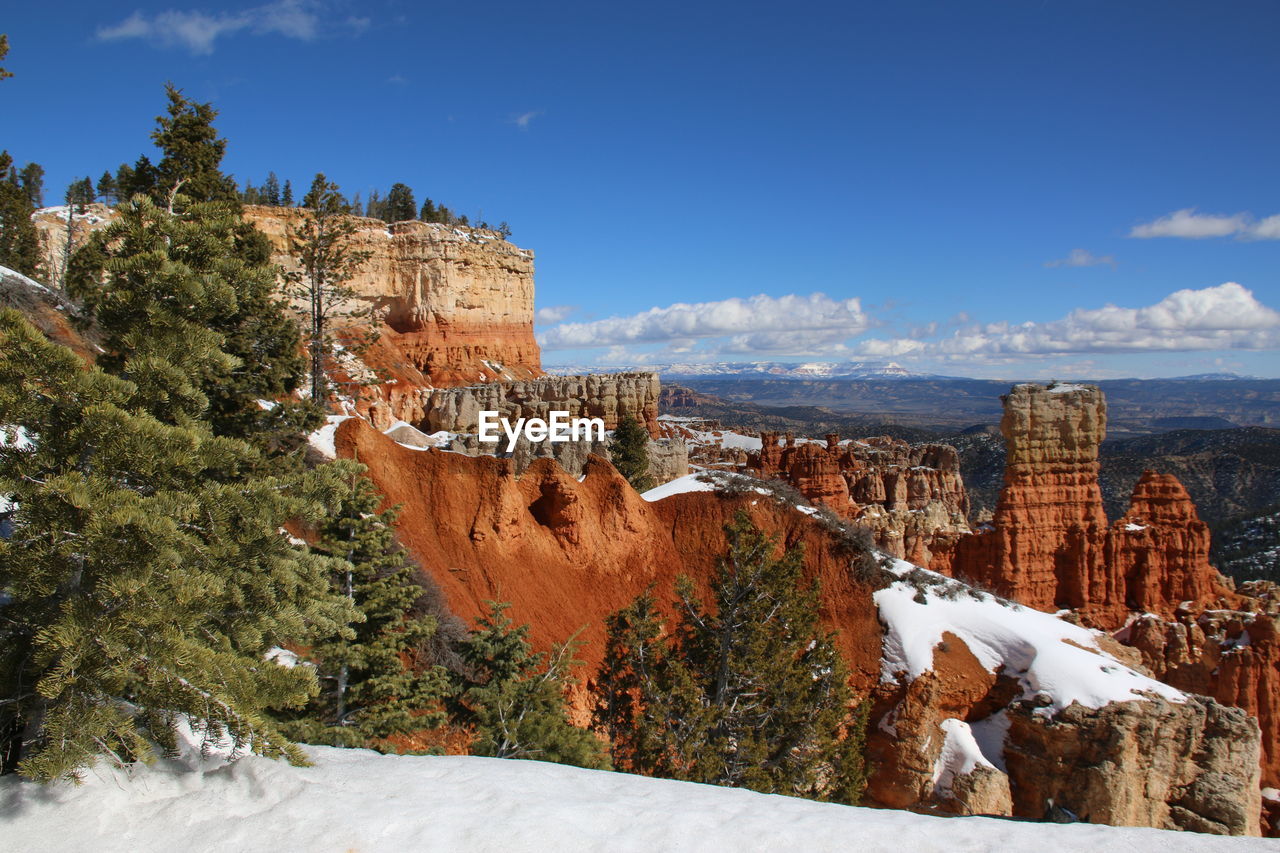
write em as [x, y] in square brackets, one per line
[362, 801]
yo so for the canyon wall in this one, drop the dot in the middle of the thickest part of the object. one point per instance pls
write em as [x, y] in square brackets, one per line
[455, 304]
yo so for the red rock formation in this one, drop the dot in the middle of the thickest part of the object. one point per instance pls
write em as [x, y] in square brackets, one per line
[814, 470]
[1046, 545]
[1049, 545]
[1231, 655]
[566, 553]
[1161, 548]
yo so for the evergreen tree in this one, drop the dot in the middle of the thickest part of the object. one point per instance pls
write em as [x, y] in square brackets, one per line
[31, 177]
[286, 196]
[750, 693]
[192, 151]
[400, 204]
[322, 245]
[504, 230]
[80, 194]
[19, 240]
[4, 51]
[515, 700]
[250, 194]
[357, 206]
[629, 451]
[375, 684]
[107, 190]
[144, 574]
[156, 278]
[428, 212]
[271, 190]
[376, 209]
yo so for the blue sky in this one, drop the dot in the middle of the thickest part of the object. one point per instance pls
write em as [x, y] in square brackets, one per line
[1003, 189]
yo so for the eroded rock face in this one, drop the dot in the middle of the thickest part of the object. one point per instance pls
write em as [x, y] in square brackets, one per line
[1161, 547]
[1174, 765]
[610, 396]
[910, 496]
[455, 304]
[1049, 545]
[1231, 655]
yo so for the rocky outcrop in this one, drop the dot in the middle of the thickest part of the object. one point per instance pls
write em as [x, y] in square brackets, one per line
[1160, 548]
[454, 304]
[667, 459]
[910, 496]
[1049, 545]
[1231, 655]
[610, 396]
[1174, 765]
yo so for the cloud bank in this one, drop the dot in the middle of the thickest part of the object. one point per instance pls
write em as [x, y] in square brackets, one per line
[1224, 317]
[757, 324]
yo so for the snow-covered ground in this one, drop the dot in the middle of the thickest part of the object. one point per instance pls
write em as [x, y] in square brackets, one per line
[359, 800]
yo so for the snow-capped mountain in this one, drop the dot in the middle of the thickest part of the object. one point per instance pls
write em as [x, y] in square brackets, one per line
[779, 369]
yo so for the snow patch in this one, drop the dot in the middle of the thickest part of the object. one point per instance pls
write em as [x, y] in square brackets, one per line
[959, 756]
[1053, 660]
[322, 439]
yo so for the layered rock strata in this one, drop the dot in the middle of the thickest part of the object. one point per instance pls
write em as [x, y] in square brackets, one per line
[910, 496]
[455, 304]
[610, 396]
[1049, 545]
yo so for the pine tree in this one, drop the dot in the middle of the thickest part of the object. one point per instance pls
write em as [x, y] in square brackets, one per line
[271, 190]
[750, 693]
[629, 451]
[428, 211]
[80, 194]
[192, 151]
[19, 240]
[31, 177]
[144, 572]
[107, 190]
[376, 208]
[4, 51]
[286, 196]
[357, 206]
[514, 700]
[321, 243]
[376, 684]
[400, 204]
[156, 278]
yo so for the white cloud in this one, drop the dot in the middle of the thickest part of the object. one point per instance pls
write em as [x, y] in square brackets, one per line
[1224, 317]
[1082, 258]
[1188, 224]
[198, 31]
[786, 324]
[554, 313]
[522, 121]
[1266, 229]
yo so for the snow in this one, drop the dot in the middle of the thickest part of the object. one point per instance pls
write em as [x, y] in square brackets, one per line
[1134, 528]
[1064, 388]
[699, 482]
[322, 439]
[359, 800]
[959, 756]
[1059, 662]
[679, 486]
[5, 272]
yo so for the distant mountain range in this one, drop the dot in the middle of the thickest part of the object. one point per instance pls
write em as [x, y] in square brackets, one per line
[807, 370]
[773, 369]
